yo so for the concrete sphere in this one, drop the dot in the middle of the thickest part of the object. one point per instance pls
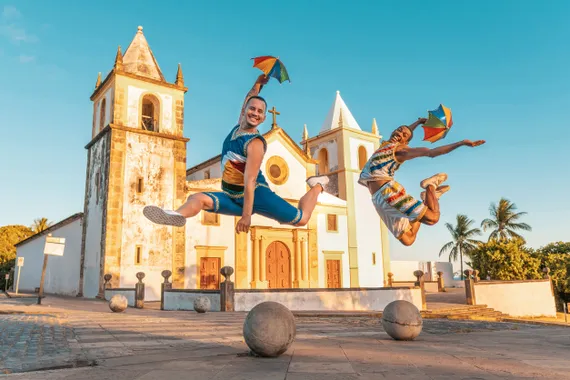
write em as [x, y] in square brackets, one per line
[202, 304]
[269, 329]
[402, 320]
[118, 303]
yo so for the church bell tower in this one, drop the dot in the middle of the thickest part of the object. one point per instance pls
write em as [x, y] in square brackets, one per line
[342, 149]
[136, 156]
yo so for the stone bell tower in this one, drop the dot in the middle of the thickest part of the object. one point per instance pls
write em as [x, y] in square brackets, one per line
[136, 156]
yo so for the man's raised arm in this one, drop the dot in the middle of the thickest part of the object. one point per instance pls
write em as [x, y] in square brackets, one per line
[255, 90]
[406, 153]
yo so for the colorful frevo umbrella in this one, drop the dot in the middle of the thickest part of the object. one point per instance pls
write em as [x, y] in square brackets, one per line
[439, 122]
[272, 67]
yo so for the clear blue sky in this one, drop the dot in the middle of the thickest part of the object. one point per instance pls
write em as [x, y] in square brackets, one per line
[501, 66]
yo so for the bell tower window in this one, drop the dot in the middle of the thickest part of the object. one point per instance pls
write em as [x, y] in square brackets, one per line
[323, 161]
[362, 157]
[149, 113]
[102, 114]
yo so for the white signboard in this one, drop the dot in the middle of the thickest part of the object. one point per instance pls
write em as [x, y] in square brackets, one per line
[20, 262]
[54, 246]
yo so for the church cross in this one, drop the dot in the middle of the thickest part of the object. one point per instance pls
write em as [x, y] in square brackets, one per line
[275, 113]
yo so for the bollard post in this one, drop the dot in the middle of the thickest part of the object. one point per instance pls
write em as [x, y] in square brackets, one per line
[469, 288]
[227, 294]
[166, 285]
[420, 283]
[440, 284]
[139, 291]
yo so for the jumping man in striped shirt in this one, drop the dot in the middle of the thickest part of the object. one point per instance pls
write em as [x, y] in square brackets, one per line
[401, 213]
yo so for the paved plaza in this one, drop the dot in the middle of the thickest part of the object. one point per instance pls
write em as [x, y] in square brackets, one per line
[50, 339]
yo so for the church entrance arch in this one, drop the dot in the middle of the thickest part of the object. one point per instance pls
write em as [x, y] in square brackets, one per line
[278, 265]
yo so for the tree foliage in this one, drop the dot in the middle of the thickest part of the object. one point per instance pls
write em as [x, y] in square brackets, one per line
[505, 260]
[463, 242]
[504, 221]
[41, 224]
[556, 257]
[9, 236]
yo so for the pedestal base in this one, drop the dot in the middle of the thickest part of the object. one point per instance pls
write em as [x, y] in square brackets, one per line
[259, 284]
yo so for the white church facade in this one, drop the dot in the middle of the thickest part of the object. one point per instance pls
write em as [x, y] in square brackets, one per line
[137, 156]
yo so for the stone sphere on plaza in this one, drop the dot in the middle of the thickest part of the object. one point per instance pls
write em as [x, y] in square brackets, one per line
[202, 304]
[118, 303]
[269, 329]
[402, 320]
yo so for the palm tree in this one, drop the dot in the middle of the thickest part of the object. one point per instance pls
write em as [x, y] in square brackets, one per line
[40, 225]
[463, 242]
[504, 221]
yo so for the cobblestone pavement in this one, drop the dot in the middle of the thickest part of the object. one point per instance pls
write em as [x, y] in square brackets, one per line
[151, 344]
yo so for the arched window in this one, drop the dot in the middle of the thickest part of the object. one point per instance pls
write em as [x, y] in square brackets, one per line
[362, 157]
[102, 114]
[150, 113]
[323, 161]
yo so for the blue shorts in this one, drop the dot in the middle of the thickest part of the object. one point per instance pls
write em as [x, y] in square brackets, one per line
[265, 202]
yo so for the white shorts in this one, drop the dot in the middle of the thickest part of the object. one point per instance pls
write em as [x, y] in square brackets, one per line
[396, 208]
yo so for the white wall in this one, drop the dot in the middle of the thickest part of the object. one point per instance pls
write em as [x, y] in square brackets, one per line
[330, 300]
[154, 163]
[129, 295]
[517, 298]
[368, 237]
[404, 271]
[199, 234]
[94, 217]
[62, 272]
[214, 168]
[332, 241]
[183, 300]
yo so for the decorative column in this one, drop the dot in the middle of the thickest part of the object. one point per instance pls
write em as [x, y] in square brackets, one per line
[390, 279]
[263, 283]
[304, 260]
[297, 242]
[255, 268]
[258, 270]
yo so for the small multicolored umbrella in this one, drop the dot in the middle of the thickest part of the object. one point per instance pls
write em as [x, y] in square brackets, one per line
[438, 124]
[272, 67]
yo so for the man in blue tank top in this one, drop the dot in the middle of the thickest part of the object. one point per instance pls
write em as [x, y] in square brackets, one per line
[244, 189]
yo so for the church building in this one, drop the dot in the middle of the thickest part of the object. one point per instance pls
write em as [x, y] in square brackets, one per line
[137, 156]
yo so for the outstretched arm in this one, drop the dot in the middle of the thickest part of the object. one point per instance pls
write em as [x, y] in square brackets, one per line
[255, 90]
[406, 153]
[414, 125]
[255, 152]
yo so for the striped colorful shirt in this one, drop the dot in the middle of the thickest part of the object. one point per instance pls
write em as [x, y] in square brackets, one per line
[234, 156]
[382, 165]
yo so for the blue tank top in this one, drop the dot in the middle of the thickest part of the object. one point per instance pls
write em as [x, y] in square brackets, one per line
[234, 156]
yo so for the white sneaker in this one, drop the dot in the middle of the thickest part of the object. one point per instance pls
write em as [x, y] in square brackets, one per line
[168, 217]
[434, 180]
[438, 192]
[315, 180]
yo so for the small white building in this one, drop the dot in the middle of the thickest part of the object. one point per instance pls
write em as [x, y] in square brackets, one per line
[62, 272]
